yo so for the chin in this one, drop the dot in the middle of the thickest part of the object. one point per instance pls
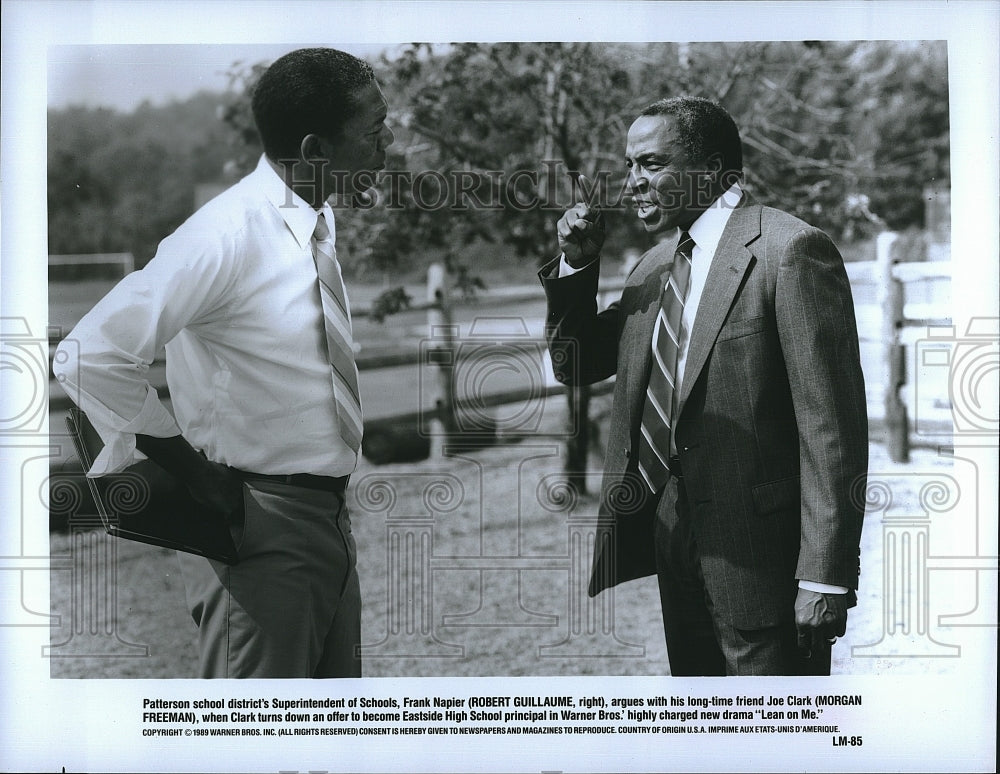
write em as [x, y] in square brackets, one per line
[655, 225]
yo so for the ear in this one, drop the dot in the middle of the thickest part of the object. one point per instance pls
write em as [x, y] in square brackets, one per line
[714, 163]
[311, 147]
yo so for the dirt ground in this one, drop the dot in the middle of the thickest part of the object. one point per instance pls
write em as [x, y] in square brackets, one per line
[497, 589]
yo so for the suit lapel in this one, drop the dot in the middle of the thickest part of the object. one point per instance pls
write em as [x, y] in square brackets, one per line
[729, 265]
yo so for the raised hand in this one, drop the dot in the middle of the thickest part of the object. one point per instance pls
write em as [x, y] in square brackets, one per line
[581, 232]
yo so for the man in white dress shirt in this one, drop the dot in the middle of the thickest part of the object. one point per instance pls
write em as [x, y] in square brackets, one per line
[263, 385]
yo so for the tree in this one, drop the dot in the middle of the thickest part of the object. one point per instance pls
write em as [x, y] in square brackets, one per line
[833, 131]
[121, 182]
[900, 117]
[514, 121]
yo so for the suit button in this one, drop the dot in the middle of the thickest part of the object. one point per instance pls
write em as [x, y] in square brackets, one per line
[627, 453]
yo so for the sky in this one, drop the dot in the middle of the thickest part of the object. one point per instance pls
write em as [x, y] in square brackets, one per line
[122, 76]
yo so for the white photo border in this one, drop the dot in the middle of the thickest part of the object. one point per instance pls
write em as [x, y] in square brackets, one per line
[909, 723]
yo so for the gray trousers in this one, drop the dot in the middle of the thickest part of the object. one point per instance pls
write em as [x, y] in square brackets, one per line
[292, 606]
[699, 641]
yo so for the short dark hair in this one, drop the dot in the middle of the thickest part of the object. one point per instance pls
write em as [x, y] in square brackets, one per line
[704, 127]
[311, 90]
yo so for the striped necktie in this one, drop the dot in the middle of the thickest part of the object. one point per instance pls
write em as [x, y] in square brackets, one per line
[337, 323]
[657, 415]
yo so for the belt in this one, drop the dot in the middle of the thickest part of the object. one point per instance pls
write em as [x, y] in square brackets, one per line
[335, 484]
[674, 466]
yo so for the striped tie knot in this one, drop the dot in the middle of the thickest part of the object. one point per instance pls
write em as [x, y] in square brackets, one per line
[685, 244]
[322, 232]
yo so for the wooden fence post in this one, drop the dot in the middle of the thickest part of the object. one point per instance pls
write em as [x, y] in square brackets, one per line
[890, 298]
[444, 332]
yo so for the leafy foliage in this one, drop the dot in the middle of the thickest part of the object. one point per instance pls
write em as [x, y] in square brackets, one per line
[121, 182]
[389, 303]
[844, 134]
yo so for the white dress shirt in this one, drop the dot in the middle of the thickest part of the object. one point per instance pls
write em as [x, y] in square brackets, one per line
[706, 231]
[232, 295]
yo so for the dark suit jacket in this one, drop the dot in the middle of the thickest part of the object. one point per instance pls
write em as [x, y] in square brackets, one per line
[771, 430]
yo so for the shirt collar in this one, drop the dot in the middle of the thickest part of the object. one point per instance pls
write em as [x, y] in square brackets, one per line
[707, 230]
[298, 215]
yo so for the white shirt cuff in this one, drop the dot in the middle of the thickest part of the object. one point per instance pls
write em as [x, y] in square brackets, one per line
[565, 270]
[119, 450]
[822, 588]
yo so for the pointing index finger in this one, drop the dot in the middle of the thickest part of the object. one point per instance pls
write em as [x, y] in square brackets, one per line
[586, 192]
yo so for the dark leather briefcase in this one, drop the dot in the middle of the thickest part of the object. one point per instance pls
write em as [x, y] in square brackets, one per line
[146, 503]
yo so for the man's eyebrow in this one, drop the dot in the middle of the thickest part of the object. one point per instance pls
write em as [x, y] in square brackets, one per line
[647, 156]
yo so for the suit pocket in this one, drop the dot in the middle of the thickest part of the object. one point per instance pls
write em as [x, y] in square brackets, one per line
[775, 496]
[740, 328]
[238, 531]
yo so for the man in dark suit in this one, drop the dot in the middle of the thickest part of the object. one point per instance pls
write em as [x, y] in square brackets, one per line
[738, 439]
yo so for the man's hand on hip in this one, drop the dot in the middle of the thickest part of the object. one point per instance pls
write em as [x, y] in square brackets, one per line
[217, 487]
[210, 483]
[819, 618]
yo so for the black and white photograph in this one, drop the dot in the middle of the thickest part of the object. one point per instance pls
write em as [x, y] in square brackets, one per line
[616, 378]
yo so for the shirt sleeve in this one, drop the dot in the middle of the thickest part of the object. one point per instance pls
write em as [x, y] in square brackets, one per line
[822, 588]
[103, 363]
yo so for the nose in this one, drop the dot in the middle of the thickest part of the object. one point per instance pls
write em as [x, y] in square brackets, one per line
[635, 183]
[388, 137]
